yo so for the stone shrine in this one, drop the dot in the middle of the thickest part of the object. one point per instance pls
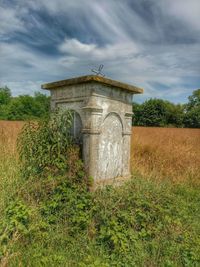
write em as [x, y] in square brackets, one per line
[102, 122]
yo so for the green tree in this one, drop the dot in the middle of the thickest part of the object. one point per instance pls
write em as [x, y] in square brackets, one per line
[22, 108]
[175, 114]
[43, 104]
[194, 100]
[5, 95]
[192, 110]
[153, 112]
[26, 107]
[5, 98]
[158, 112]
[137, 114]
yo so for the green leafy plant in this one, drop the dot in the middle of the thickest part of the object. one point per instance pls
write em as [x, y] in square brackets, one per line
[70, 203]
[15, 224]
[44, 146]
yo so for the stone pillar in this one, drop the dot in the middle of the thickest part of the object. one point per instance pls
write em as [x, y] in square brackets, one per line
[105, 110]
[91, 134]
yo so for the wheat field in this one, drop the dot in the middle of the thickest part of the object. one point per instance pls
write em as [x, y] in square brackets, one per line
[8, 160]
[166, 153]
[159, 153]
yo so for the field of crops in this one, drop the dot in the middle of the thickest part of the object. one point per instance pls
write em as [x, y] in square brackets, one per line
[167, 153]
[162, 153]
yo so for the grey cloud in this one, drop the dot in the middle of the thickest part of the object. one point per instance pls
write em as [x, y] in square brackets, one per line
[154, 45]
[187, 11]
[10, 21]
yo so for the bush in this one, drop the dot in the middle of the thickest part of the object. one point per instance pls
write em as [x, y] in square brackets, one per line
[45, 146]
[15, 224]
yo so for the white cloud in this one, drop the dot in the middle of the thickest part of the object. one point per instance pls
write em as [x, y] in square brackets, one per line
[127, 62]
[75, 48]
[10, 21]
[153, 62]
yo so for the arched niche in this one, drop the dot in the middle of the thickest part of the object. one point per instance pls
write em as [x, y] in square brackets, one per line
[77, 125]
[111, 147]
[76, 128]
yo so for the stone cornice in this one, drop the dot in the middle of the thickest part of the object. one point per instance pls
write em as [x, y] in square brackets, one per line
[93, 78]
[95, 109]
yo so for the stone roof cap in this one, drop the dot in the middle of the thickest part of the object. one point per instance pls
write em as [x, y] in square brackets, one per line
[93, 78]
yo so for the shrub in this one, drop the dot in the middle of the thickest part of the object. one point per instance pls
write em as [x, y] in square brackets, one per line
[15, 223]
[45, 146]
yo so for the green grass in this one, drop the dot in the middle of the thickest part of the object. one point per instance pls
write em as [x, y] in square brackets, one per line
[9, 177]
[48, 217]
[141, 223]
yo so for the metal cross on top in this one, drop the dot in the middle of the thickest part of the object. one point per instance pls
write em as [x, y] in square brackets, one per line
[98, 71]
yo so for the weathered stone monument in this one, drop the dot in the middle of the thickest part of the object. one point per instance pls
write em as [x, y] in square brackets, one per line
[102, 122]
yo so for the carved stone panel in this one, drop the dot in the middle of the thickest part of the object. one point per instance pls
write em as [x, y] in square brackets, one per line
[110, 148]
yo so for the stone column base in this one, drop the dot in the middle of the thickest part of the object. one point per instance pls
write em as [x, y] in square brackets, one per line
[117, 181]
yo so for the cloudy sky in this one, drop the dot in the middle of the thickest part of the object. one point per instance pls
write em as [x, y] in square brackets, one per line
[154, 44]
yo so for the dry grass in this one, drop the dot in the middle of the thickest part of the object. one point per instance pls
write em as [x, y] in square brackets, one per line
[169, 153]
[8, 135]
[161, 153]
[8, 161]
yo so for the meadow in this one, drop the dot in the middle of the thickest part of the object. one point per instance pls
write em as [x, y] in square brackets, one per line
[153, 220]
[160, 153]
[171, 154]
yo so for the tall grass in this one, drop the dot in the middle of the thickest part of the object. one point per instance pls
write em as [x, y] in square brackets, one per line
[142, 223]
[162, 153]
[8, 160]
[166, 153]
[159, 153]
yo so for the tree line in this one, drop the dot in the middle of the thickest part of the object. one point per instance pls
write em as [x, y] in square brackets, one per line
[162, 113]
[153, 112]
[23, 107]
